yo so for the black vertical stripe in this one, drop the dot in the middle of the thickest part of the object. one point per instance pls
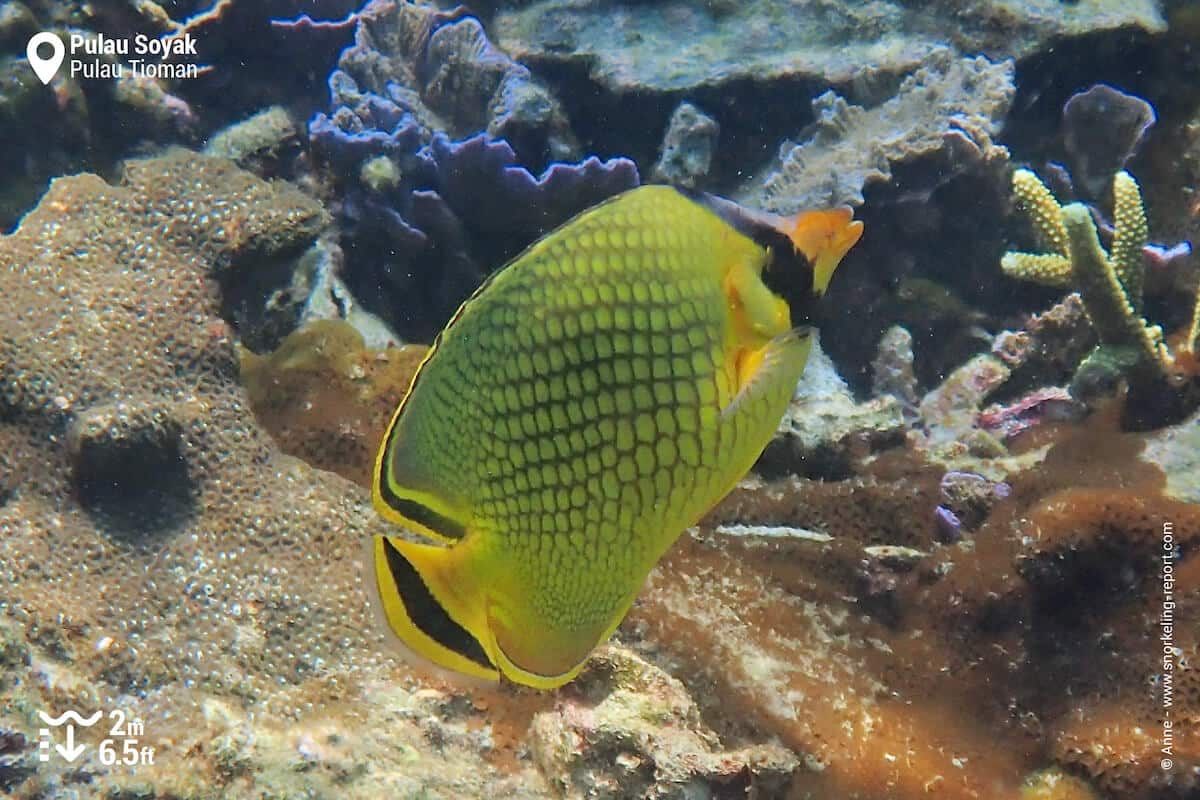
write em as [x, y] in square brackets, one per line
[427, 614]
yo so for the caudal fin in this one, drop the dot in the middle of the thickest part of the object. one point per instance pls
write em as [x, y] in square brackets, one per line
[409, 583]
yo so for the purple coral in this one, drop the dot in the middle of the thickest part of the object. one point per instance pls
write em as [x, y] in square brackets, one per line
[458, 130]
[949, 526]
[371, 126]
[482, 181]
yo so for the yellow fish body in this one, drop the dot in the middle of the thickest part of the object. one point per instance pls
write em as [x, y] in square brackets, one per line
[588, 403]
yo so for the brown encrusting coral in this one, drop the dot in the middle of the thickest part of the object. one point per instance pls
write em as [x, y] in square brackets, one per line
[954, 669]
[158, 553]
[326, 397]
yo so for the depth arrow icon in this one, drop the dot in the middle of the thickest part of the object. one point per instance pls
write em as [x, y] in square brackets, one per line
[71, 751]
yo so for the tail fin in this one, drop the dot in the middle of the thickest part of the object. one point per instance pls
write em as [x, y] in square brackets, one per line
[824, 237]
[410, 584]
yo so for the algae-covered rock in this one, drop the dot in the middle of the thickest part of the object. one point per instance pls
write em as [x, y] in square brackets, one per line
[257, 142]
[628, 729]
[688, 147]
[825, 429]
[947, 112]
[326, 397]
[1176, 449]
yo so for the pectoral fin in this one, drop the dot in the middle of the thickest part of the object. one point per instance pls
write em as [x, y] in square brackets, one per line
[767, 377]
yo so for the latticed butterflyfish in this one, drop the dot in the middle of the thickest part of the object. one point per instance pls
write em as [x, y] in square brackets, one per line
[589, 402]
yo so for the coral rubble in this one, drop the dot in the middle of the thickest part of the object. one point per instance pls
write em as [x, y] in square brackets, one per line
[628, 729]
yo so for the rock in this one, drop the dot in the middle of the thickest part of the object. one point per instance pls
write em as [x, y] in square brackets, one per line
[679, 46]
[627, 729]
[945, 113]
[1102, 129]
[892, 368]
[825, 430]
[260, 143]
[687, 148]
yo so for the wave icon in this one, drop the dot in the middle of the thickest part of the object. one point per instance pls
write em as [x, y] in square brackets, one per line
[70, 715]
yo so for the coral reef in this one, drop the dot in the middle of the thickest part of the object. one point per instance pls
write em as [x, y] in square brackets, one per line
[944, 114]
[918, 159]
[950, 410]
[1102, 129]
[628, 729]
[941, 667]
[688, 147]
[1111, 286]
[825, 430]
[219, 600]
[1048, 404]
[243, 42]
[892, 368]
[678, 46]
[326, 398]
[432, 136]
[78, 122]
[1055, 784]
[945, 574]
[1049, 346]
[262, 143]
[412, 62]
[969, 497]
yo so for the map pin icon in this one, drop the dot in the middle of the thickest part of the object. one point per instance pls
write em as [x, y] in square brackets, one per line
[45, 68]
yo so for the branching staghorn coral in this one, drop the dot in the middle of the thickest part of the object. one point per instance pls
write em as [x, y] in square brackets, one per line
[1110, 282]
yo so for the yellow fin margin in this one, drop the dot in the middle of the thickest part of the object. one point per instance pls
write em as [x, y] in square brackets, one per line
[407, 585]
